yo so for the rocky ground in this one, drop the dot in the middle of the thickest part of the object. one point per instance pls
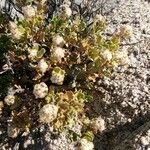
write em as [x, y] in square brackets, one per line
[125, 103]
[123, 100]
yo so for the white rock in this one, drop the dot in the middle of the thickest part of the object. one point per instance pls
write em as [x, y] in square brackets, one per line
[126, 30]
[144, 140]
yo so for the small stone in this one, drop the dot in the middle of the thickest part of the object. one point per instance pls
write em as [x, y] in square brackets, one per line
[144, 141]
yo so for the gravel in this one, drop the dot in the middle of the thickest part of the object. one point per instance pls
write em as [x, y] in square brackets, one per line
[126, 95]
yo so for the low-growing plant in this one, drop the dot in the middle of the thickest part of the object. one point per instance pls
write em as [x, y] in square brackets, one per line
[57, 64]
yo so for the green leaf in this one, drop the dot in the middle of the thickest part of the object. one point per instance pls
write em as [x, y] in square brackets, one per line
[93, 53]
[40, 53]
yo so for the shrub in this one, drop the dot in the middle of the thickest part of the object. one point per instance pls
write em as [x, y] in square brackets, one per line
[60, 62]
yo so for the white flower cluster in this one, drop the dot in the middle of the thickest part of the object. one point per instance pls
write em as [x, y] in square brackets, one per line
[98, 124]
[126, 31]
[9, 99]
[12, 131]
[57, 54]
[86, 145]
[58, 41]
[48, 113]
[66, 11]
[43, 1]
[42, 66]
[58, 76]
[107, 55]
[99, 17]
[29, 12]
[32, 54]
[122, 57]
[40, 90]
[16, 32]
[57, 51]
[33, 51]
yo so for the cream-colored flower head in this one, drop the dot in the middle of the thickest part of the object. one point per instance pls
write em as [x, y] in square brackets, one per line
[126, 31]
[57, 54]
[107, 55]
[43, 1]
[58, 41]
[29, 11]
[1, 106]
[67, 2]
[122, 58]
[48, 113]
[42, 66]
[58, 76]
[33, 52]
[12, 131]
[99, 17]
[9, 99]
[40, 90]
[86, 145]
[98, 124]
[66, 11]
[16, 32]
